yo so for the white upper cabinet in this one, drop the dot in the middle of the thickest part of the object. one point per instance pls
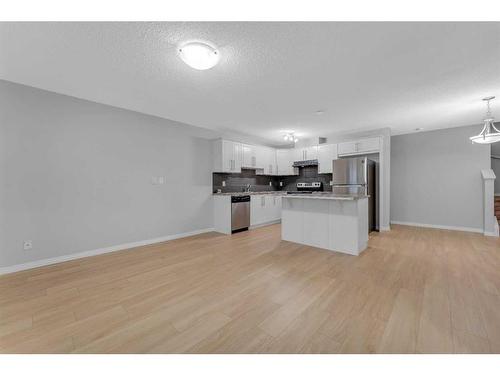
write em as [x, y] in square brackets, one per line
[249, 156]
[261, 158]
[368, 145]
[311, 153]
[326, 154]
[305, 153]
[266, 160]
[363, 146]
[297, 154]
[227, 156]
[230, 157]
[284, 161]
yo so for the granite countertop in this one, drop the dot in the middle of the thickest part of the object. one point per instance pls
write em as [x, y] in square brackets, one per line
[252, 193]
[317, 195]
[331, 196]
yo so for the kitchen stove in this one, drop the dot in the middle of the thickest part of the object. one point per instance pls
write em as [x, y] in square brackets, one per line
[307, 188]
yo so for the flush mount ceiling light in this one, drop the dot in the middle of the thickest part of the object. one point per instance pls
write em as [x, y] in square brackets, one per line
[290, 137]
[198, 55]
[489, 134]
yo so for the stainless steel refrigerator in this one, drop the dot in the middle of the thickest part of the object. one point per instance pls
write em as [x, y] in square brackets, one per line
[358, 175]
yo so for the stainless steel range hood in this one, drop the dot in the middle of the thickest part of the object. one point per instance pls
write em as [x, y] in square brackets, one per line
[305, 163]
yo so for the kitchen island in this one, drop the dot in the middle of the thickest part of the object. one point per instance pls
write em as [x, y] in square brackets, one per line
[329, 221]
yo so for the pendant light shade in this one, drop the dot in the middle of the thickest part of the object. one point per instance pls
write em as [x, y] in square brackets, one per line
[489, 134]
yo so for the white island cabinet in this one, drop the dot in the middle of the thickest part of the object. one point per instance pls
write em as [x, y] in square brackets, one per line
[332, 222]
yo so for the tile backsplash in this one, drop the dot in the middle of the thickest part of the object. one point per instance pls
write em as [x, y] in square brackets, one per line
[236, 182]
[306, 174]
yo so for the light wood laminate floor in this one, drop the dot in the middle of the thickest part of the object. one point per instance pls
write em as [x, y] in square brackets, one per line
[413, 290]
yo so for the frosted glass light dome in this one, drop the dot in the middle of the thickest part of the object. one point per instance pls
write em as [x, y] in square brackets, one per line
[200, 56]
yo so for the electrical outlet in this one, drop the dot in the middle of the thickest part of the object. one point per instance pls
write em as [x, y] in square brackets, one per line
[281, 183]
[223, 183]
[270, 183]
[27, 245]
[331, 183]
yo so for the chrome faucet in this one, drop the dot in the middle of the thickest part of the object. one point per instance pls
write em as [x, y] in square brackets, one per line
[247, 188]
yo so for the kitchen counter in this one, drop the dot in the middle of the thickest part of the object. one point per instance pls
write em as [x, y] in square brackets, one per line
[331, 196]
[251, 193]
[315, 195]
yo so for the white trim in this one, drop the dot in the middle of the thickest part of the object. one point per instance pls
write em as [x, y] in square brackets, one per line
[447, 227]
[104, 250]
[277, 221]
[488, 174]
[385, 229]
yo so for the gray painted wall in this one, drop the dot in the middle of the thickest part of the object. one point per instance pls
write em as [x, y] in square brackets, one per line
[495, 165]
[76, 175]
[435, 178]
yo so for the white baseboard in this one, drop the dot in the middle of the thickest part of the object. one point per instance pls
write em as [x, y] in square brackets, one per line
[385, 229]
[447, 227]
[89, 253]
[265, 223]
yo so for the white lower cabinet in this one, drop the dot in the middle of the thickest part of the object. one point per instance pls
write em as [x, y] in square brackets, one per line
[264, 209]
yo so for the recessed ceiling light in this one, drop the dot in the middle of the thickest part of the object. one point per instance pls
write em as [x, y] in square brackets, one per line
[320, 112]
[198, 55]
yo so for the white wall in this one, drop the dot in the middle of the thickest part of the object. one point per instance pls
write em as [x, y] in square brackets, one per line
[76, 175]
[436, 178]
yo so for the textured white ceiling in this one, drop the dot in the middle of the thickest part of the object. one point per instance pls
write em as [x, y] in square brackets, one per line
[272, 76]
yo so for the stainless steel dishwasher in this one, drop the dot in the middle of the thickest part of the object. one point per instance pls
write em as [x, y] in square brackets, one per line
[240, 212]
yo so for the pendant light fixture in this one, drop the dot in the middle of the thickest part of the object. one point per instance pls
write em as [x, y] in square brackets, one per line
[489, 134]
[290, 137]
